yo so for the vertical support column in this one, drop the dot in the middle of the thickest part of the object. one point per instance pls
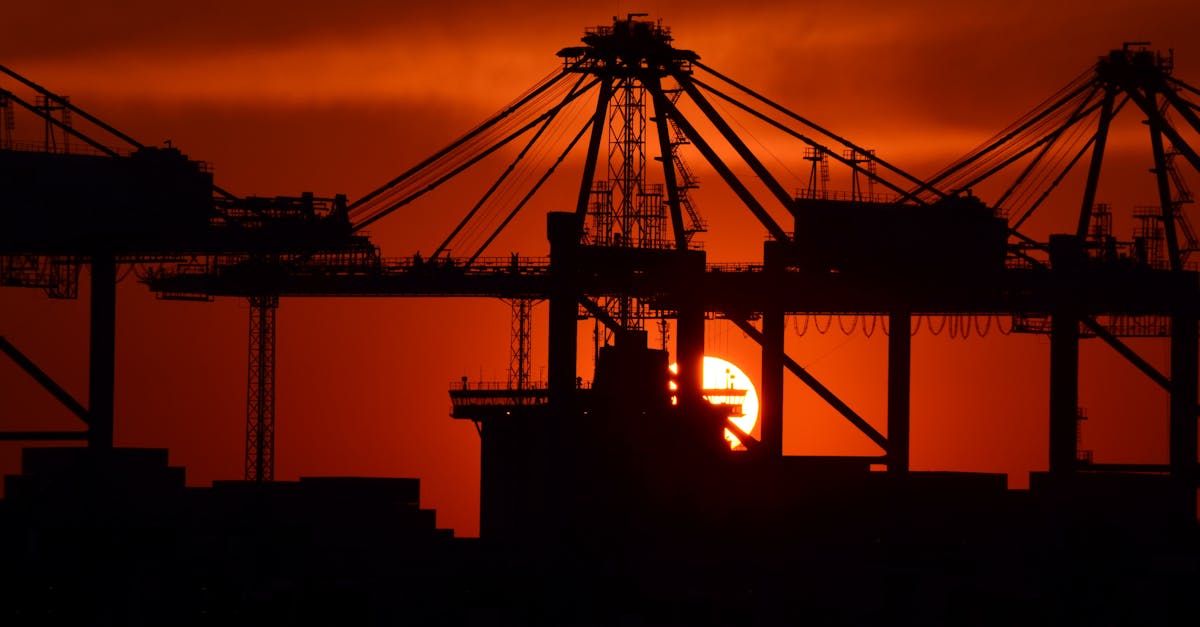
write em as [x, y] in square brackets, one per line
[547, 458]
[563, 230]
[1185, 369]
[689, 336]
[898, 392]
[260, 390]
[771, 399]
[102, 355]
[1064, 391]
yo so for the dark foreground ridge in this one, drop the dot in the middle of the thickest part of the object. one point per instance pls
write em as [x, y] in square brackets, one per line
[625, 516]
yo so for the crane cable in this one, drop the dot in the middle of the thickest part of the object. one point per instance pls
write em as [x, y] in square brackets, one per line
[437, 166]
[499, 181]
[365, 218]
[513, 188]
[921, 185]
[532, 191]
[545, 83]
[506, 190]
[1045, 108]
[1042, 128]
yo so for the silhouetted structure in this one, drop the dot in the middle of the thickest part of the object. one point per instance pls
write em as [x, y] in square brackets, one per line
[60, 209]
[613, 502]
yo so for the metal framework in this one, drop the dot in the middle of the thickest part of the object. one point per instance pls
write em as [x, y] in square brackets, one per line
[260, 390]
[914, 261]
[934, 249]
[521, 336]
[105, 200]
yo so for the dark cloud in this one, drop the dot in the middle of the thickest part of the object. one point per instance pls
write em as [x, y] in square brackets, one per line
[953, 62]
[80, 27]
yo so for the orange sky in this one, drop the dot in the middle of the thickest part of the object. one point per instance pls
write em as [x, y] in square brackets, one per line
[299, 96]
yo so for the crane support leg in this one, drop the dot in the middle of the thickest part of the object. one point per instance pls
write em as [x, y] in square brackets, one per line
[689, 338]
[1093, 177]
[664, 148]
[1165, 200]
[689, 353]
[563, 231]
[898, 382]
[770, 409]
[102, 354]
[1185, 370]
[1064, 391]
[260, 390]
[593, 151]
[771, 404]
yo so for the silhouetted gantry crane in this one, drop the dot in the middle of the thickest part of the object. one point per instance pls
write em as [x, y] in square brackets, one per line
[92, 195]
[894, 248]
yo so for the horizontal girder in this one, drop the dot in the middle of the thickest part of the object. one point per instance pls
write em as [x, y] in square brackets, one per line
[725, 288]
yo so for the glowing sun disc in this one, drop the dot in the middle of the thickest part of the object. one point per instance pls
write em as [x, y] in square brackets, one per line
[721, 374]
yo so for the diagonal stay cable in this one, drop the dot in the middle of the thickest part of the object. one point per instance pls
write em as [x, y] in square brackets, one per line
[455, 154]
[1182, 85]
[1074, 160]
[1185, 107]
[1037, 160]
[1037, 130]
[1014, 131]
[468, 149]
[74, 109]
[64, 102]
[1051, 137]
[496, 121]
[544, 85]
[1029, 169]
[524, 174]
[534, 190]
[60, 125]
[503, 176]
[922, 186]
[428, 181]
[478, 157]
[1054, 184]
[726, 173]
[810, 141]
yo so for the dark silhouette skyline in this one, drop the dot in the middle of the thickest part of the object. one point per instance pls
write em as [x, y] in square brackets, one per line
[617, 498]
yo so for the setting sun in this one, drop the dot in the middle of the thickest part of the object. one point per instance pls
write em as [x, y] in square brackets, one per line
[726, 384]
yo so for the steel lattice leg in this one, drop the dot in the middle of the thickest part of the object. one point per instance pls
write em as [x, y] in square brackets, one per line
[260, 390]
